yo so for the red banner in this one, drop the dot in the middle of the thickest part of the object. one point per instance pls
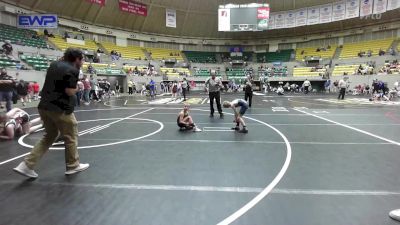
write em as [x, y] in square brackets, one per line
[133, 7]
[100, 2]
[263, 13]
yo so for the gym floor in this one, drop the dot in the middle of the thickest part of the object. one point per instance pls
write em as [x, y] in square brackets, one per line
[305, 161]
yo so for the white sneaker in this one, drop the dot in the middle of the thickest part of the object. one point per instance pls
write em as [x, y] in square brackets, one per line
[395, 214]
[80, 168]
[196, 129]
[86, 103]
[24, 170]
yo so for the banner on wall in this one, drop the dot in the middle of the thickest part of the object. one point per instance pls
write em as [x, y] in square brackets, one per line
[280, 20]
[366, 7]
[100, 2]
[339, 10]
[170, 18]
[325, 13]
[301, 17]
[262, 18]
[133, 7]
[35, 21]
[271, 24]
[313, 15]
[290, 19]
[393, 4]
[352, 9]
[224, 19]
[380, 6]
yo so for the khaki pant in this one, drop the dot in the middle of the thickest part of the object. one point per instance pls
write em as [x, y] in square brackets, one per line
[56, 124]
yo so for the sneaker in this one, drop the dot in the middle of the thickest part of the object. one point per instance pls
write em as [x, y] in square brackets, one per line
[196, 129]
[211, 115]
[221, 115]
[235, 128]
[80, 168]
[395, 214]
[86, 103]
[244, 131]
[24, 170]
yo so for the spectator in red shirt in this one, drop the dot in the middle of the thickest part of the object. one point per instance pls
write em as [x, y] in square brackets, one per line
[36, 89]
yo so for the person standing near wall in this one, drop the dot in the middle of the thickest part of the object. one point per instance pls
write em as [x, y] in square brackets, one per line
[213, 85]
[248, 91]
[184, 88]
[306, 86]
[7, 84]
[342, 88]
[56, 109]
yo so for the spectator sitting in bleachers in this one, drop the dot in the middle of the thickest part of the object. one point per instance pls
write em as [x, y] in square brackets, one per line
[390, 68]
[7, 48]
[381, 52]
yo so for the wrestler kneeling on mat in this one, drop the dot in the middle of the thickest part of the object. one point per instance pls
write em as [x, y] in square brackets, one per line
[238, 115]
[185, 121]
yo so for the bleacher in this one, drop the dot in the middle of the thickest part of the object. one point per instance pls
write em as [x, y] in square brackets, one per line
[279, 56]
[324, 53]
[352, 50]
[307, 72]
[273, 72]
[21, 36]
[202, 73]
[129, 52]
[235, 73]
[62, 44]
[345, 70]
[162, 53]
[175, 72]
[201, 57]
[103, 68]
[126, 68]
[39, 63]
[7, 62]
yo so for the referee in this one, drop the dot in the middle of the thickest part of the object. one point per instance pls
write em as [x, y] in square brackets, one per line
[214, 84]
[56, 109]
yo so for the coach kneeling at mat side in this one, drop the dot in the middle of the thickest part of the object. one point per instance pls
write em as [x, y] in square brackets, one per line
[56, 109]
[214, 85]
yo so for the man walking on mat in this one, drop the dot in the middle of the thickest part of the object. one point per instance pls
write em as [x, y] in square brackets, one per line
[56, 109]
[213, 85]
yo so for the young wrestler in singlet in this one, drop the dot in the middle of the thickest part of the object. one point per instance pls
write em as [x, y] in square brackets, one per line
[185, 121]
[243, 106]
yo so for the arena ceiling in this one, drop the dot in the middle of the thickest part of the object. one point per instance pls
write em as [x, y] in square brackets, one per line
[195, 18]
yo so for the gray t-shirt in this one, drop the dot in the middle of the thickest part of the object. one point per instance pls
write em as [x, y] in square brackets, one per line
[213, 85]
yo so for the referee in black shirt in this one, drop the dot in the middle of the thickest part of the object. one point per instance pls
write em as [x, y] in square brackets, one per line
[56, 109]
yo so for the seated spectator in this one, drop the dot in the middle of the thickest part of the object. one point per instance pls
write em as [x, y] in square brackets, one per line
[7, 47]
[91, 69]
[392, 52]
[381, 52]
[99, 50]
[369, 53]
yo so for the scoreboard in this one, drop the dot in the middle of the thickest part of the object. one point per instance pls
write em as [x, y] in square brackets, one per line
[249, 17]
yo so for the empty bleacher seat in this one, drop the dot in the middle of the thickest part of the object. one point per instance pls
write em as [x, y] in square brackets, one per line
[62, 44]
[37, 62]
[345, 70]
[201, 57]
[352, 50]
[162, 53]
[323, 53]
[308, 72]
[279, 56]
[21, 36]
[128, 52]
